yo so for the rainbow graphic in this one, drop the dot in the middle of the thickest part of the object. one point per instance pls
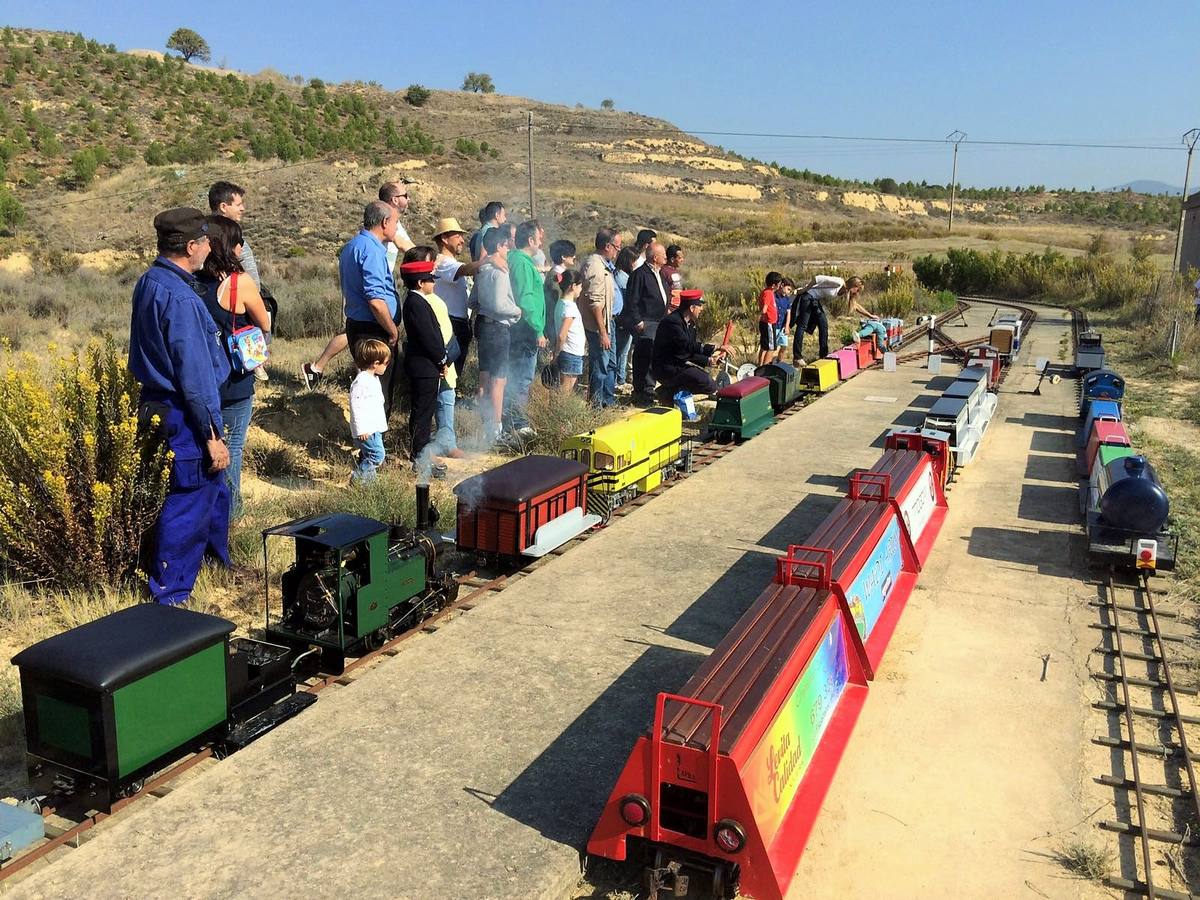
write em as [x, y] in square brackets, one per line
[773, 772]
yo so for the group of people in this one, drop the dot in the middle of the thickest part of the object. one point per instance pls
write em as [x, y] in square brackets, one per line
[783, 309]
[622, 313]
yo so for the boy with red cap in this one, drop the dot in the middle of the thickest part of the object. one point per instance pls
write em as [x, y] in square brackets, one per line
[425, 359]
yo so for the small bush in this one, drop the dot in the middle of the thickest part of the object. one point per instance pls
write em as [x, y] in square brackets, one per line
[417, 95]
[556, 417]
[84, 164]
[79, 485]
[12, 213]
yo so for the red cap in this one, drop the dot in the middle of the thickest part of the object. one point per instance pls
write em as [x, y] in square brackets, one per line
[420, 267]
[690, 296]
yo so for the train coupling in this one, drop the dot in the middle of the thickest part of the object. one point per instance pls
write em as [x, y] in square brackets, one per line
[668, 878]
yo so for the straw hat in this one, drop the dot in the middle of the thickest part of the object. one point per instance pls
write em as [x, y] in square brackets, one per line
[448, 226]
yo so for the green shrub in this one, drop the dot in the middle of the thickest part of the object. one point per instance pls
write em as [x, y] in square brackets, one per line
[417, 95]
[155, 154]
[12, 213]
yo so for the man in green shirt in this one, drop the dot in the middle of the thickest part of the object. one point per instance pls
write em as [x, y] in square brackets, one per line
[526, 336]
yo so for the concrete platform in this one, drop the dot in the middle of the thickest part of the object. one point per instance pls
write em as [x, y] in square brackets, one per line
[474, 763]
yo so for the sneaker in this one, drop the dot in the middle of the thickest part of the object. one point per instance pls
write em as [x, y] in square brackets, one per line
[625, 388]
[525, 432]
[260, 374]
[310, 376]
[799, 363]
[438, 470]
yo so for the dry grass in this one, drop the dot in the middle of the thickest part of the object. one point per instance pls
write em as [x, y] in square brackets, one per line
[1085, 860]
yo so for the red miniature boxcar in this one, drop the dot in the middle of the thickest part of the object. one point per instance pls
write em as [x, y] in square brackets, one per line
[866, 353]
[912, 484]
[736, 765]
[526, 507]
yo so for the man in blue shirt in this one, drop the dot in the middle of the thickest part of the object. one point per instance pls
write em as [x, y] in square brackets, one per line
[175, 351]
[369, 290]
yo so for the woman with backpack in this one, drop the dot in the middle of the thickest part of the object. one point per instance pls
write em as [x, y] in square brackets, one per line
[234, 302]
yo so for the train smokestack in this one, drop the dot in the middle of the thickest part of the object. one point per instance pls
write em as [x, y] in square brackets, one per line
[424, 519]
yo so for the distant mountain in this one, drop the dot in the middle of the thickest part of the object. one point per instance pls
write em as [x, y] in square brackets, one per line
[1146, 186]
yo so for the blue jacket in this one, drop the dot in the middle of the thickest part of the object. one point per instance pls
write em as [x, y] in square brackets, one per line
[175, 347]
[364, 275]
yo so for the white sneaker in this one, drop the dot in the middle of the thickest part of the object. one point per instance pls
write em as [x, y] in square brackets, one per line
[260, 374]
[800, 364]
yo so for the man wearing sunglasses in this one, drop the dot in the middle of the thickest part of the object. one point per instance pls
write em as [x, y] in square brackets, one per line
[175, 352]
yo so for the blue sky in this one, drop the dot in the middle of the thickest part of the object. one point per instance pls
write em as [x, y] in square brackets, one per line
[1122, 73]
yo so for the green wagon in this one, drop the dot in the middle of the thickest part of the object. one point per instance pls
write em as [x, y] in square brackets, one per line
[743, 409]
[116, 699]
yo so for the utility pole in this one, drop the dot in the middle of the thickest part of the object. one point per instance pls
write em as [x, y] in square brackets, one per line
[529, 135]
[1190, 139]
[957, 137]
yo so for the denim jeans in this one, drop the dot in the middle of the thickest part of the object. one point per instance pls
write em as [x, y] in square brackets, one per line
[237, 422]
[370, 457]
[601, 371]
[522, 365]
[444, 439]
[623, 344]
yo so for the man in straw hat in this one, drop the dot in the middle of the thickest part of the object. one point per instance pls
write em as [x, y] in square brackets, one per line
[451, 282]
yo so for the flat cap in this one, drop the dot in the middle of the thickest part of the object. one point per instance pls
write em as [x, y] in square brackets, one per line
[184, 222]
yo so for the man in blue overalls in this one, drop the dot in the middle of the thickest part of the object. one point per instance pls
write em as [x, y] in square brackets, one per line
[175, 352]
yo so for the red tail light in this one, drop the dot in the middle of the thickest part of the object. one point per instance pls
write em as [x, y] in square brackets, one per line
[635, 810]
[730, 836]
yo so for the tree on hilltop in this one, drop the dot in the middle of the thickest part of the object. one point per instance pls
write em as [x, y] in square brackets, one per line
[479, 82]
[189, 44]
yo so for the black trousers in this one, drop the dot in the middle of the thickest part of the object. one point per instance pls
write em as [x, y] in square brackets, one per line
[423, 394]
[357, 331]
[809, 311]
[462, 333]
[692, 379]
[643, 353]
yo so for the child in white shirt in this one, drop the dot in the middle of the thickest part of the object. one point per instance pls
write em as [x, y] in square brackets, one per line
[368, 421]
[571, 343]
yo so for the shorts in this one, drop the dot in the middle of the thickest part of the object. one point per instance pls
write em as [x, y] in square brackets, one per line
[766, 336]
[570, 363]
[493, 341]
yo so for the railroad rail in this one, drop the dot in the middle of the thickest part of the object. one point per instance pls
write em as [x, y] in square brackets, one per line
[477, 587]
[1140, 687]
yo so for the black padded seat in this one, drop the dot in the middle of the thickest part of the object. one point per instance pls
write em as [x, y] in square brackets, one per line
[521, 480]
[122, 647]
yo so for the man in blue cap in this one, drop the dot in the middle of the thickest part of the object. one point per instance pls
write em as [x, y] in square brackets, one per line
[175, 352]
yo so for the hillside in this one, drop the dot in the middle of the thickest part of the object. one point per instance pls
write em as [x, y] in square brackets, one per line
[94, 141]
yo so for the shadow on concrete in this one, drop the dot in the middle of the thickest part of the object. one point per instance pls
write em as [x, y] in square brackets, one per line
[561, 793]
[1040, 420]
[1050, 551]
[709, 618]
[797, 525]
[910, 418]
[1050, 468]
[938, 383]
[1053, 442]
[924, 401]
[833, 481]
[1044, 503]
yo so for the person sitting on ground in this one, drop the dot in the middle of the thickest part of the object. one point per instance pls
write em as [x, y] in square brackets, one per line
[562, 253]
[767, 316]
[570, 342]
[497, 312]
[228, 293]
[492, 215]
[526, 337]
[680, 358]
[808, 311]
[425, 358]
[368, 421]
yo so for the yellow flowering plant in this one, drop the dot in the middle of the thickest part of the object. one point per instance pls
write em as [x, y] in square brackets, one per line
[80, 483]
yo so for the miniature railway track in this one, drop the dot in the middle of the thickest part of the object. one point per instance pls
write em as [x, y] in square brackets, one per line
[473, 588]
[1141, 688]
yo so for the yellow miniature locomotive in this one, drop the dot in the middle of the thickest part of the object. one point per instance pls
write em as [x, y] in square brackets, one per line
[630, 457]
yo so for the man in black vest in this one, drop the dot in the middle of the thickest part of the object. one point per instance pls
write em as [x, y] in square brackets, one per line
[679, 359]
